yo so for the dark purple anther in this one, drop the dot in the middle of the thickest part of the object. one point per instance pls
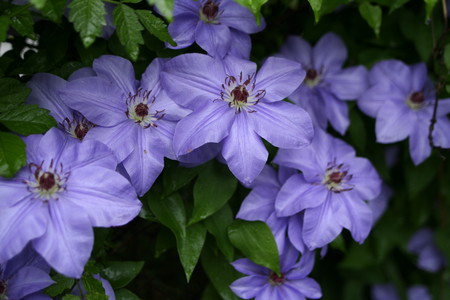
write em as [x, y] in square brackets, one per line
[417, 98]
[240, 94]
[141, 110]
[47, 181]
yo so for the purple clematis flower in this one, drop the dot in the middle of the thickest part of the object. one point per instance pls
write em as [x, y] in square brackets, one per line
[331, 191]
[24, 277]
[219, 27]
[45, 93]
[234, 105]
[422, 244]
[264, 284]
[401, 98]
[388, 292]
[327, 86]
[66, 188]
[136, 120]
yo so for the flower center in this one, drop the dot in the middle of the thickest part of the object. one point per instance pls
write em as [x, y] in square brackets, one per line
[312, 78]
[336, 178]
[78, 127]
[274, 279]
[240, 93]
[47, 184]
[138, 109]
[416, 100]
[209, 11]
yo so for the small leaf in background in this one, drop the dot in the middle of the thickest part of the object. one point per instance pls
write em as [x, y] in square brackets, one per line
[372, 14]
[88, 17]
[54, 9]
[255, 240]
[94, 288]
[357, 130]
[358, 257]
[124, 294]
[4, 25]
[12, 154]
[254, 6]
[22, 22]
[190, 247]
[120, 273]
[170, 212]
[397, 4]
[155, 26]
[214, 187]
[175, 177]
[447, 56]
[219, 271]
[39, 4]
[12, 93]
[128, 29]
[316, 5]
[430, 4]
[165, 240]
[27, 119]
[165, 7]
[217, 225]
[70, 297]
[61, 284]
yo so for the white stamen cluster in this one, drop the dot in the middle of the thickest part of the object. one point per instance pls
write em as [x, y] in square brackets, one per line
[241, 94]
[138, 109]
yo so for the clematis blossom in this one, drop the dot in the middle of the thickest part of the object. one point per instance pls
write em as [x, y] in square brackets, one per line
[327, 86]
[24, 277]
[135, 119]
[388, 292]
[401, 98]
[219, 27]
[422, 243]
[66, 188]
[233, 104]
[332, 191]
[263, 284]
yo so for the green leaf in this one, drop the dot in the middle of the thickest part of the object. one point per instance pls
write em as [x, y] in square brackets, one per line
[88, 17]
[165, 240]
[190, 246]
[339, 244]
[165, 7]
[131, 1]
[92, 285]
[4, 25]
[214, 187]
[447, 56]
[170, 212]
[27, 119]
[54, 9]
[316, 5]
[217, 225]
[96, 296]
[124, 294]
[128, 29]
[12, 93]
[70, 297]
[419, 177]
[22, 22]
[430, 4]
[175, 178]
[358, 257]
[61, 284]
[372, 14]
[254, 6]
[120, 273]
[397, 4]
[220, 272]
[155, 26]
[255, 240]
[39, 4]
[12, 154]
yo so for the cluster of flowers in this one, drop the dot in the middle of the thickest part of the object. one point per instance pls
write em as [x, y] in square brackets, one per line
[114, 132]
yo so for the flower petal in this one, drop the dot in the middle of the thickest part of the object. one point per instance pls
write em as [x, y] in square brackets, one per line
[98, 100]
[20, 224]
[45, 93]
[239, 17]
[146, 162]
[182, 30]
[210, 124]
[244, 151]
[279, 77]
[213, 38]
[241, 44]
[297, 49]
[295, 232]
[27, 281]
[258, 204]
[394, 122]
[283, 124]
[371, 101]
[234, 66]
[248, 287]
[418, 77]
[297, 194]
[12, 191]
[349, 83]
[307, 286]
[82, 72]
[90, 153]
[191, 79]
[336, 111]
[68, 241]
[329, 53]
[247, 267]
[394, 72]
[150, 78]
[118, 71]
[365, 178]
[106, 197]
